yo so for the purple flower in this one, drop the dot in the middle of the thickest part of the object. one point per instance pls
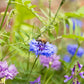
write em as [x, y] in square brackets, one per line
[40, 48]
[79, 66]
[36, 81]
[75, 22]
[11, 72]
[3, 66]
[72, 49]
[81, 74]
[67, 58]
[52, 61]
[8, 72]
[67, 78]
[74, 74]
[78, 82]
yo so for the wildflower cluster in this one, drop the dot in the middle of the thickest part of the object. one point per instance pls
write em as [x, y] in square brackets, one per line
[47, 55]
[8, 72]
[75, 73]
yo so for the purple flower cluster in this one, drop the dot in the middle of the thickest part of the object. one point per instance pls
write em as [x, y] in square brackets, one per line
[40, 48]
[8, 72]
[52, 61]
[75, 21]
[75, 73]
[37, 81]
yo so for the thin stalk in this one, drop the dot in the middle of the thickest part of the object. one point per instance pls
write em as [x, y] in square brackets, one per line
[73, 59]
[47, 27]
[49, 10]
[5, 14]
[46, 74]
[62, 2]
[1, 53]
[3, 58]
[64, 27]
[28, 61]
[33, 66]
[49, 78]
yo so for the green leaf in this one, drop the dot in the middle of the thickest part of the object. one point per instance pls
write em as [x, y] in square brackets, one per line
[33, 6]
[64, 27]
[24, 46]
[74, 14]
[80, 38]
[27, 2]
[19, 50]
[51, 36]
[70, 26]
[2, 41]
[77, 30]
[44, 13]
[25, 34]
[49, 79]
[56, 28]
[18, 36]
[81, 10]
[64, 63]
[24, 12]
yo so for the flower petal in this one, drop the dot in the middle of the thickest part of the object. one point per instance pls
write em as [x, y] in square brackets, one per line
[80, 66]
[68, 78]
[81, 74]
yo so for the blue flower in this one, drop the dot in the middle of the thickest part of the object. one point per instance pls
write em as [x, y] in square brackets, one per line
[37, 81]
[75, 21]
[71, 48]
[40, 48]
[67, 58]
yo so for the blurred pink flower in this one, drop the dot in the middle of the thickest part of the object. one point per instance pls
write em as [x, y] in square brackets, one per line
[52, 61]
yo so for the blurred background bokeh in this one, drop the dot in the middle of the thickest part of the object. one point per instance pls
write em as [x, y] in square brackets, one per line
[69, 6]
[28, 23]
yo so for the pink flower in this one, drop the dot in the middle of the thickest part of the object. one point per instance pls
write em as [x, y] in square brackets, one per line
[52, 61]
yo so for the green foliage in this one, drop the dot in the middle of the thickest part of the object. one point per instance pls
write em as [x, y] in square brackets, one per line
[14, 44]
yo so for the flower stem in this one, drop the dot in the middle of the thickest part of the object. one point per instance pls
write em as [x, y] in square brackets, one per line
[62, 2]
[28, 61]
[48, 27]
[5, 14]
[49, 10]
[74, 56]
[33, 66]
[46, 75]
